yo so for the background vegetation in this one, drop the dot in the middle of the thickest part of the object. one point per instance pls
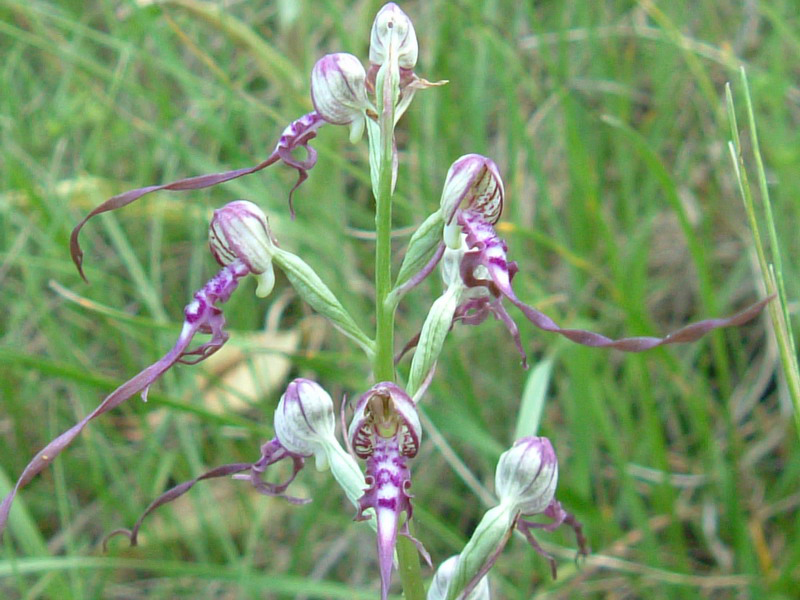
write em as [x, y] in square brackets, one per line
[608, 122]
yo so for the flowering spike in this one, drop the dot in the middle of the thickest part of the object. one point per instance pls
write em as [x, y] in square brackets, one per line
[473, 184]
[201, 316]
[485, 265]
[386, 430]
[239, 230]
[297, 134]
[338, 91]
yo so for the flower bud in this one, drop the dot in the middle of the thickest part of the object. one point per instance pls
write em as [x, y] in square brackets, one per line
[393, 28]
[473, 184]
[338, 91]
[304, 420]
[527, 475]
[240, 231]
[441, 581]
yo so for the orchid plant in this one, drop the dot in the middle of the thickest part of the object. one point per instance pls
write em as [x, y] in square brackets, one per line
[459, 238]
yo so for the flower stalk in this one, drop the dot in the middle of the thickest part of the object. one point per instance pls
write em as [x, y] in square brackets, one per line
[383, 365]
[383, 368]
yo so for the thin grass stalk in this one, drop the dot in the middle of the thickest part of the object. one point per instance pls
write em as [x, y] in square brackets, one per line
[771, 273]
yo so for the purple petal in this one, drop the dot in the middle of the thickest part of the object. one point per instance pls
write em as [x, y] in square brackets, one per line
[490, 251]
[525, 528]
[559, 516]
[173, 494]
[297, 134]
[389, 480]
[689, 333]
[201, 316]
[475, 311]
[272, 452]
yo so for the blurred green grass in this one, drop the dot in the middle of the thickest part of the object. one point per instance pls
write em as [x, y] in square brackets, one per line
[608, 123]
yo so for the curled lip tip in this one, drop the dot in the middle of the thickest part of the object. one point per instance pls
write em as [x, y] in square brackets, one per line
[296, 135]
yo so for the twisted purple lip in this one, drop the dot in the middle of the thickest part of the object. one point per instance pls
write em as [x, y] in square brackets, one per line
[201, 316]
[297, 134]
[489, 251]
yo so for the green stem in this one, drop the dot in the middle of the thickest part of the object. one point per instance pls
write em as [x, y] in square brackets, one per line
[383, 366]
[384, 332]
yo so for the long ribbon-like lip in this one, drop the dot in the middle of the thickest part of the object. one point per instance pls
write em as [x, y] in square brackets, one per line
[488, 250]
[296, 135]
[201, 316]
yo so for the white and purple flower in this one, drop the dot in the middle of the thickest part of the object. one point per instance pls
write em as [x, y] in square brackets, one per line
[241, 255]
[485, 270]
[525, 483]
[386, 431]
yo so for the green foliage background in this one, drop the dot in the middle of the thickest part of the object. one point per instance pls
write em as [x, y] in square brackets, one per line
[608, 122]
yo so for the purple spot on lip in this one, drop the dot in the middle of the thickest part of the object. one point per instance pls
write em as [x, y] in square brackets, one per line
[390, 503]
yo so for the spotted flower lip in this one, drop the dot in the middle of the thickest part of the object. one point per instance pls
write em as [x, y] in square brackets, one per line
[386, 431]
[386, 409]
[202, 315]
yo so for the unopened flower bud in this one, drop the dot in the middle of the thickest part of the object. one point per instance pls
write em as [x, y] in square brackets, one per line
[338, 91]
[527, 475]
[441, 581]
[473, 184]
[393, 28]
[239, 231]
[304, 421]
